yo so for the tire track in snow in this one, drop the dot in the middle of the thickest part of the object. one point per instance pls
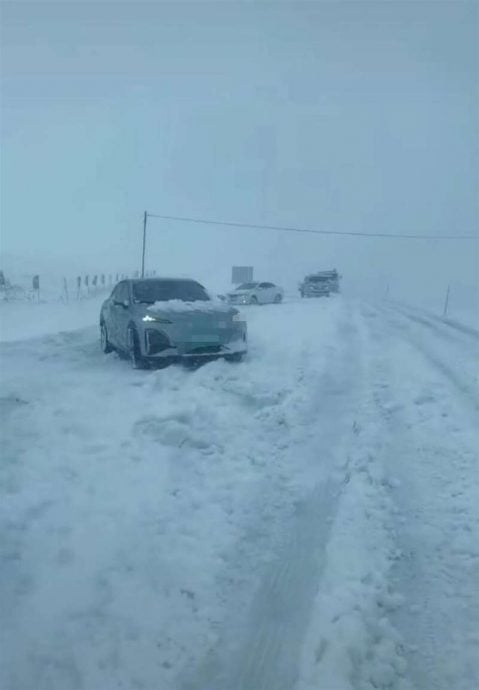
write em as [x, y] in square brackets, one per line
[442, 324]
[469, 392]
[269, 655]
[353, 643]
[441, 329]
[468, 330]
[262, 652]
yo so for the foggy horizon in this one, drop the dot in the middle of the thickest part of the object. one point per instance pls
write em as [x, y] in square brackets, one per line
[339, 116]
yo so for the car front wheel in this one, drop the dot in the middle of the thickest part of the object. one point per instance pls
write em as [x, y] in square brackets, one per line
[278, 298]
[254, 300]
[104, 342]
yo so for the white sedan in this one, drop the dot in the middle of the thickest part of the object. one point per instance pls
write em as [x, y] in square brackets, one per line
[256, 293]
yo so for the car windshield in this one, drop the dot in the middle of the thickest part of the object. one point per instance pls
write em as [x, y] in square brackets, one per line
[151, 291]
[316, 279]
[247, 286]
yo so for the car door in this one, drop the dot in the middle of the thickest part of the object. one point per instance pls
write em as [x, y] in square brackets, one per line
[276, 291]
[273, 290]
[267, 292]
[108, 314]
[120, 310]
[263, 293]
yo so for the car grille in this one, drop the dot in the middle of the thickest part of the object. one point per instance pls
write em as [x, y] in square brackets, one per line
[205, 350]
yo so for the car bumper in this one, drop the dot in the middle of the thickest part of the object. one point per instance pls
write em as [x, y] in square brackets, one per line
[315, 293]
[172, 356]
[158, 345]
[239, 347]
[244, 299]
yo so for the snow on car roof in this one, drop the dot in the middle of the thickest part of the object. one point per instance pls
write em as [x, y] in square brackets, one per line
[163, 279]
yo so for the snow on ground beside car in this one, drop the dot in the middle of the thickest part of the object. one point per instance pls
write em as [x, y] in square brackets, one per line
[138, 504]
[25, 319]
[307, 519]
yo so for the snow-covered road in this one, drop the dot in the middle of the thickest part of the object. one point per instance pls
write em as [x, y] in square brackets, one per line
[305, 520]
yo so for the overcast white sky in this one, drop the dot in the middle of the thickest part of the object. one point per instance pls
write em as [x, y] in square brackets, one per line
[343, 116]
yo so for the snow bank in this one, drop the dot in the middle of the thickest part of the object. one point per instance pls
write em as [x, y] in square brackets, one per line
[242, 526]
[21, 320]
[19, 271]
[351, 643]
[141, 508]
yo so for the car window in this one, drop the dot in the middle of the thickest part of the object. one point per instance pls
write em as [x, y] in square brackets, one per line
[151, 291]
[247, 286]
[120, 293]
[114, 292]
[264, 285]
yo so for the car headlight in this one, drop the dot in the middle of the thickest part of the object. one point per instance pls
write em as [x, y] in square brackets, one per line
[156, 319]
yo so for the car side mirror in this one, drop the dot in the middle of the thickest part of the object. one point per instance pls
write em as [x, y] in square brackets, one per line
[121, 303]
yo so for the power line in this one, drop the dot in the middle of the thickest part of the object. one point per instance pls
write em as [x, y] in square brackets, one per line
[279, 228]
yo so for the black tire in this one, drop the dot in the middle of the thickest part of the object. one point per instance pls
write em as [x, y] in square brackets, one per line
[134, 351]
[278, 299]
[105, 345]
[254, 300]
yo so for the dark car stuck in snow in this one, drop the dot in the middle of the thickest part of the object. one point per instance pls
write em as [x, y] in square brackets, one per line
[320, 284]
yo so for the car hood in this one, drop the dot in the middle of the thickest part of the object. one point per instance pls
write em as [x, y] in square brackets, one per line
[238, 293]
[178, 308]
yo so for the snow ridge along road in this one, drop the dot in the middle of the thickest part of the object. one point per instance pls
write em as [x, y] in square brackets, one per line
[427, 388]
[305, 520]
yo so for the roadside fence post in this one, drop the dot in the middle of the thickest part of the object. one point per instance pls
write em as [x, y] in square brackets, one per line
[446, 301]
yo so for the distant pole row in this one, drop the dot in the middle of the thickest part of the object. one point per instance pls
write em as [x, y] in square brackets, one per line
[101, 280]
[87, 284]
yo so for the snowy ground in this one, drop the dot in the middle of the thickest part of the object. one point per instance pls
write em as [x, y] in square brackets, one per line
[305, 520]
[25, 319]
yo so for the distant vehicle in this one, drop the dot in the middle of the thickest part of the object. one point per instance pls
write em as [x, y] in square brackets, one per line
[167, 320]
[333, 277]
[256, 293]
[320, 284]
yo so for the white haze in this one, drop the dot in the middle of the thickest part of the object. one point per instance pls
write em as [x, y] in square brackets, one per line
[338, 116]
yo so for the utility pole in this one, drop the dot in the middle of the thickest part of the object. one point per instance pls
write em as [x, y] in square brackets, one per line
[145, 216]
